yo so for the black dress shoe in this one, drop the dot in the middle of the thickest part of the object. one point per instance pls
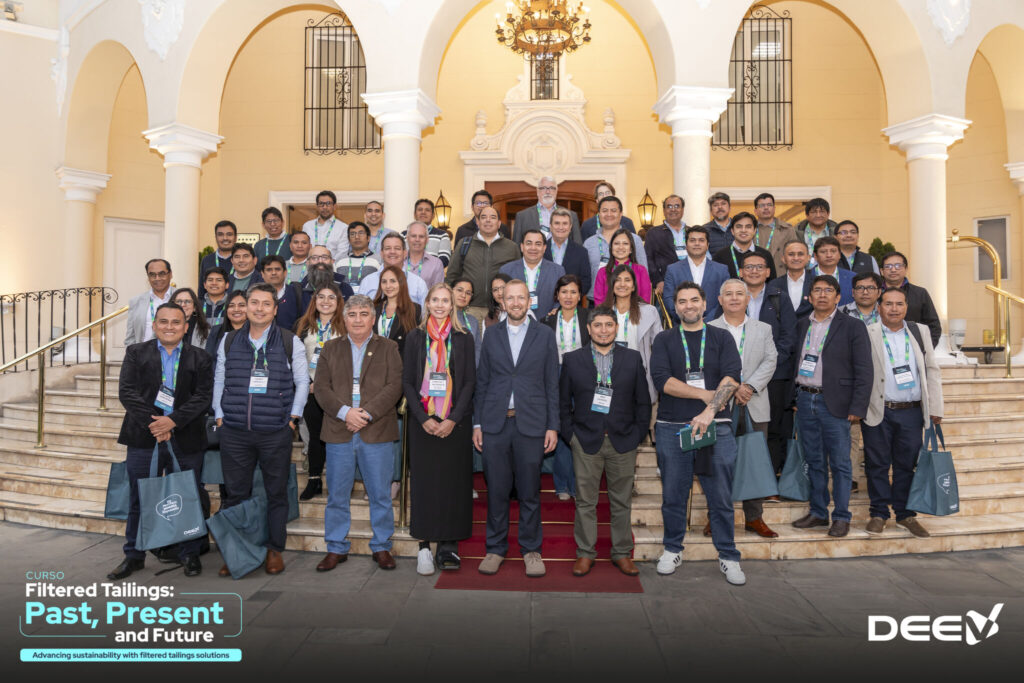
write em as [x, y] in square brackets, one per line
[168, 554]
[447, 560]
[314, 487]
[125, 569]
[193, 567]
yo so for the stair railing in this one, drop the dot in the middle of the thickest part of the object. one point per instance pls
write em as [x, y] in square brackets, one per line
[1007, 298]
[40, 354]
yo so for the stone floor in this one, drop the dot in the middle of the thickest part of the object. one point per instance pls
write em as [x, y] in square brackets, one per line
[798, 619]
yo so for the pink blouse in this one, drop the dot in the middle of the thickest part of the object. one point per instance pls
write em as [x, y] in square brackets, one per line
[643, 284]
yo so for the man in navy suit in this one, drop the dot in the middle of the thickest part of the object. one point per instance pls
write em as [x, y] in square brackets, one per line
[773, 308]
[834, 375]
[516, 406]
[573, 258]
[795, 284]
[605, 411]
[539, 274]
[827, 254]
[696, 267]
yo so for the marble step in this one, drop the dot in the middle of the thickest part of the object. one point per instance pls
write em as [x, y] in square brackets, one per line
[89, 418]
[988, 385]
[982, 404]
[980, 371]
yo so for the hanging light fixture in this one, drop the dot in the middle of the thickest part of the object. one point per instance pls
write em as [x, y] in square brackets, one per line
[442, 211]
[647, 209]
[543, 27]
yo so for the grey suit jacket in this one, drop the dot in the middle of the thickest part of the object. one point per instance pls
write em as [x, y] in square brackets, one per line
[527, 219]
[927, 367]
[546, 279]
[759, 357]
[137, 318]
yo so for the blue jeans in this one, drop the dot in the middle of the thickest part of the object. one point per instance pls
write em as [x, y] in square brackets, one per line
[559, 465]
[825, 438]
[677, 479]
[375, 460]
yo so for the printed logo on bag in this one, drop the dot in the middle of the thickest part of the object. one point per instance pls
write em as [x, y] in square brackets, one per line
[169, 507]
[944, 481]
[951, 628]
[194, 530]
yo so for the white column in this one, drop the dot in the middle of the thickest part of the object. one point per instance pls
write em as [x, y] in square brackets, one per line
[925, 141]
[183, 148]
[402, 115]
[1016, 171]
[80, 191]
[691, 111]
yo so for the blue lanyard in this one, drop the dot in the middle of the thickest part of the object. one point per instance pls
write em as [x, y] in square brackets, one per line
[686, 347]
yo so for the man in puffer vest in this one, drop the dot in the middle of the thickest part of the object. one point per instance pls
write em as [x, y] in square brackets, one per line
[259, 392]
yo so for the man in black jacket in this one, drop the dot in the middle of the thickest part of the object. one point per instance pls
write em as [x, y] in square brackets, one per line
[166, 387]
[666, 243]
[605, 410]
[920, 308]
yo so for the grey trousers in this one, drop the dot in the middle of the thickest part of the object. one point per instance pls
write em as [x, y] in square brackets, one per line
[618, 469]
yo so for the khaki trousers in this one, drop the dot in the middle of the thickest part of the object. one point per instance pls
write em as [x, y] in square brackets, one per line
[618, 469]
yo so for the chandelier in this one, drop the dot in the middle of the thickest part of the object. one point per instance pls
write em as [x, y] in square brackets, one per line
[543, 27]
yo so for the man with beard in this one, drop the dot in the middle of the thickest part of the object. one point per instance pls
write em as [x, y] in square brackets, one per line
[320, 273]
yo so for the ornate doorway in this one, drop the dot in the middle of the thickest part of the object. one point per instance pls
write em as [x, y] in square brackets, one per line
[511, 197]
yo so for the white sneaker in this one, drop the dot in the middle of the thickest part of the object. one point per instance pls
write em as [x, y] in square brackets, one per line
[732, 571]
[425, 562]
[668, 562]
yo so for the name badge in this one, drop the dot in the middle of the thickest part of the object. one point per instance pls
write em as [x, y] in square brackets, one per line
[808, 364]
[355, 390]
[533, 300]
[546, 231]
[258, 381]
[603, 263]
[602, 400]
[623, 344]
[904, 378]
[165, 398]
[316, 356]
[680, 253]
[696, 379]
[438, 384]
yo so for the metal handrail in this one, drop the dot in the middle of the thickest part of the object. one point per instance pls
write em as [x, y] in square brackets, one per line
[997, 269]
[39, 353]
[1007, 298]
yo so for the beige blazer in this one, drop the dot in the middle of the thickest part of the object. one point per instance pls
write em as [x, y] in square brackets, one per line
[927, 367]
[759, 358]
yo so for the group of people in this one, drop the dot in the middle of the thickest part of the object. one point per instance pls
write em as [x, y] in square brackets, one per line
[548, 344]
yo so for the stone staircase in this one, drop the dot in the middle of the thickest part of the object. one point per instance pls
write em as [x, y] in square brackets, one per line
[63, 484]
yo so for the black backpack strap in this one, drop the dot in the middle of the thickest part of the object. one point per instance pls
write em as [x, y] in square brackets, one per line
[916, 331]
[465, 245]
[229, 340]
[774, 298]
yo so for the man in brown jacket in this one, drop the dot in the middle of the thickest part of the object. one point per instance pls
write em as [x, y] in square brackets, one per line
[358, 383]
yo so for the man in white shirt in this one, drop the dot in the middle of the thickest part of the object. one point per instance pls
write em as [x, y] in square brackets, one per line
[326, 230]
[539, 274]
[373, 214]
[142, 308]
[393, 253]
[427, 266]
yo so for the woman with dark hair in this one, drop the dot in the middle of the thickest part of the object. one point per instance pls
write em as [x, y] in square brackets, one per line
[438, 378]
[570, 325]
[198, 328]
[639, 323]
[322, 322]
[462, 288]
[496, 308]
[234, 318]
[397, 314]
[622, 253]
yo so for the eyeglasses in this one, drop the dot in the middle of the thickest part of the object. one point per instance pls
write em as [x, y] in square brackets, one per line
[482, 203]
[893, 266]
[823, 290]
[320, 258]
[272, 221]
[162, 273]
[547, 188]
[325, 203]
[754, 267]
[865, 288]
[673, 206]
[844, 233]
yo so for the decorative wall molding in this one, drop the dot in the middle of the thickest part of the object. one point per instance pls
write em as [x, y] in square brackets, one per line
[928, 136]
[162, 21]
[1016, 171]
[59, 67]
[182, 145]
[543, 138]
[950, 17]
[401, 113]
[29, 30]
[80, 185]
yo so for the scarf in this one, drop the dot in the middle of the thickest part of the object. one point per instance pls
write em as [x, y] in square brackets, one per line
[438, 348]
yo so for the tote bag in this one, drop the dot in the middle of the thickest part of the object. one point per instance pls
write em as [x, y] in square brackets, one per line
[169, 507]
[794, 483]
[933, 490]
[753, 476]
[118, 492]
[241, 535]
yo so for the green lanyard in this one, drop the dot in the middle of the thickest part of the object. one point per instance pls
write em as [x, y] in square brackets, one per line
[206, 313]
[562, 344]
[810, 238]
[447, 353]
[532, 286]
[906, 351]
[256, 356]
[280, 243]
[419, 266]
[623, 325]
[735, 263]
[770, 236]
[686, 347]
[387, 323]
[174, 372]
[873, 318]
[821, 344]
[743, 339]
[316, 232]
[348, 268]
[465, 321]
[607, 380]
[603, 249]
[321, 330]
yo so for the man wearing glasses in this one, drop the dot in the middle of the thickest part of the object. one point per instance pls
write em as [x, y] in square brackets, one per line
[326, 230]
[480, 201]
[360, 261]
[539, 217]
[834, 375]
[276, 242]
[142, 308]
[773, 233]
[666, 243]
[851, 257]
[920, 308]
[866, 289]
[321, 273]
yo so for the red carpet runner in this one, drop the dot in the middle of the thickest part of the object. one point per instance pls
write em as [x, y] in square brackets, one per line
[559, 551]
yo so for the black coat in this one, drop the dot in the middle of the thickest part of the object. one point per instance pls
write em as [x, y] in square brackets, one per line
[725, 257]
[862, 263]
[140, 381]
[777, 312]
[575, 262]
[661, 252]
[397, 333]
[781, 286]
[462, 368]
[628, 418]
[582, 317]
[920, 309]
[847, 372]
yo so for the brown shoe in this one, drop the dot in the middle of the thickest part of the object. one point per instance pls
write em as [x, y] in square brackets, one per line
[913, 526]
[876, 525]
[707, 529]
[224, 571]
[808, 521]
[275, 562]
[582, 566]
[760, 528]
[626, 566]
[330, 561]
[839, 528]
[384, 560]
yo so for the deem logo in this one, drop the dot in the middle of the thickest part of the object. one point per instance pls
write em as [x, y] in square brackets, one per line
[952, 628]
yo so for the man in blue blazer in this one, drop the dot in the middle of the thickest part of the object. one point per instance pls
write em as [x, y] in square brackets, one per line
[539, 274]
[605, 412]
[834, 375]
[795, 284]
[573, 258]
[516, 406]
[696, 267]
[827, 254]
